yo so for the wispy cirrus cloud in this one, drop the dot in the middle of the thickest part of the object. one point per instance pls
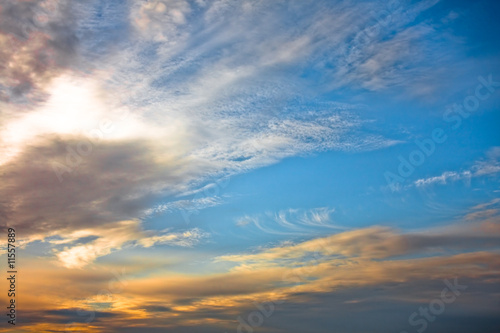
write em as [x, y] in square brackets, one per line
[488, 166]
[291, 221]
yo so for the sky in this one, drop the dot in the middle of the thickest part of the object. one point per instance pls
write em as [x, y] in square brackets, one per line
[277, 166]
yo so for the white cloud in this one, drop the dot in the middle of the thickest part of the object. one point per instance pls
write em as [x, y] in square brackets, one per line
[292, 221]
[443, 179]
[187, 238]
[480, 168]
[490, 165]
[112, 237]
[159, 20]
[192, 205]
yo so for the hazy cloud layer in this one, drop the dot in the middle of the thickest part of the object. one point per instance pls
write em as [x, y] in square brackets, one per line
[357, 269]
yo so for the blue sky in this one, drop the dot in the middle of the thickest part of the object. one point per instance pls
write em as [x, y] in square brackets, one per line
[213, 149]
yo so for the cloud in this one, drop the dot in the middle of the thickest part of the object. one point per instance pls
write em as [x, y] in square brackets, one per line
[39, 41]
[194, 204]
[244, 220]
[92, 176]
[378, 242]
[291, 274]
[488, 166]
[113, 236]
[187, 238]
[359, 269]
[292, 221]
[443, 179]
[159, 20]
[380, 47]
[114, 182]
[485, 205]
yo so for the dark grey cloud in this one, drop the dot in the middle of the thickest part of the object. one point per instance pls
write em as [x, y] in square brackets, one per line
[116, 181]
[75, 315]
[178, 329]
[385, 308]
[38, 43]
[18, 17]
[40, 39]
[62, 316]
[156, 308]
[380, 308]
